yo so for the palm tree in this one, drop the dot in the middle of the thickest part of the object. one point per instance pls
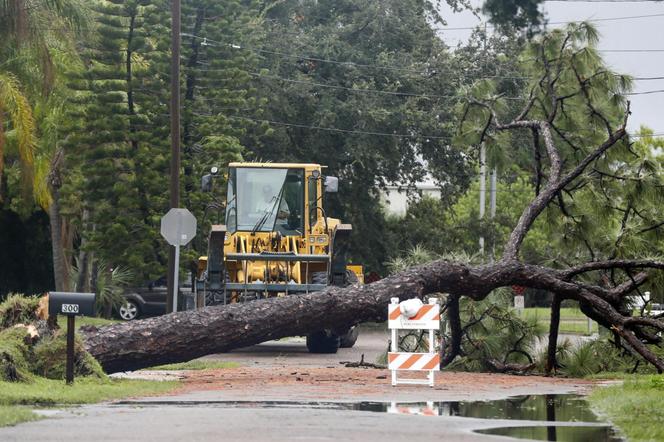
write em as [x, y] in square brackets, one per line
[31, 31]
[15, 105]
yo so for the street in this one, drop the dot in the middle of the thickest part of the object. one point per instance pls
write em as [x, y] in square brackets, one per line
[282, 393]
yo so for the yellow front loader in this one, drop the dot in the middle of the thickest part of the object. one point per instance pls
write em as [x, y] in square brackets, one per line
[277, 240]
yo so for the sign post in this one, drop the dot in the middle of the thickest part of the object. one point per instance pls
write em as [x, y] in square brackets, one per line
[178, 227]
[71, 304]
[519, 303]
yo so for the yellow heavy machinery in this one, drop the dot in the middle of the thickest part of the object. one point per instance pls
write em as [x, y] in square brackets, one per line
[277, 240]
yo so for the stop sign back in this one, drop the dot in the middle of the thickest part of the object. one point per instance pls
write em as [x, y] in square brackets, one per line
[178, 227]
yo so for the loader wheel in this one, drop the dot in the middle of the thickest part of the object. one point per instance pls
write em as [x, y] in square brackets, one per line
[348, 339]
[322, 342]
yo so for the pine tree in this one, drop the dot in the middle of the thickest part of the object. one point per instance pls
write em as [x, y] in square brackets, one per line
[122, 135]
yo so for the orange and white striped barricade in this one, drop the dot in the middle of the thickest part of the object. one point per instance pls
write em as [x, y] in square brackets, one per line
[427, 318]
[414, 409]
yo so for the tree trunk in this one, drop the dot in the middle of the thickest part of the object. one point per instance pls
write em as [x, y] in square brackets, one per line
[187, 335]
[59, 264]
[456, 331]
[551, 363]
[60, 268]
[83, 281]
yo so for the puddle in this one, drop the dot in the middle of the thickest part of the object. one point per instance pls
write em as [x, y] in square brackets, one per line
[557, 433]
[552, 408]
[570, 411]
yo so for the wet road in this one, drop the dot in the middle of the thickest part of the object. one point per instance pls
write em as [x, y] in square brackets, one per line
[205, 414]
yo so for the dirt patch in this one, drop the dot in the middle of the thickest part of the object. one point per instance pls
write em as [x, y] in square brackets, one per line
[360, 384]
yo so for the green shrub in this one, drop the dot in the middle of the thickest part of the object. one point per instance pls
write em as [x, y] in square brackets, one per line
[49, 358]
[601, 356]
[14, 354]
[18, 309]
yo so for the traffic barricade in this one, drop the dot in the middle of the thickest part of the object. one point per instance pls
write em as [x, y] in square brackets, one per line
[427, 317]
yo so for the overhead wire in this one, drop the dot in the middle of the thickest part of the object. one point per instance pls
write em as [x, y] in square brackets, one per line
[361, 132]
[423, 71]
[601, 19]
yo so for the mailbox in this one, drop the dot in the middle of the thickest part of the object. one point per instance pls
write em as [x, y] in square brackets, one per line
[71, 303]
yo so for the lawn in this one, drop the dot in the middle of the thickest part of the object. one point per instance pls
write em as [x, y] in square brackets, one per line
[11, 415]
[14, 396]
[572, 321]
[636, 406]
[197, 364]
[84, 391]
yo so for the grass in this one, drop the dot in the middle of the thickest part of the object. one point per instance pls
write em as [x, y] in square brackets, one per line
[197, 364]
[572, 321]
[47, 392]
[14, 396]
[636, 406]
[86, 320]
[15, 415]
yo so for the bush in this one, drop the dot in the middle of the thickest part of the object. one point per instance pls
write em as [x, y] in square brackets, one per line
[50, 358]
[14, 354]
[601, 356]
[20, 359]
[496, 333]
[18, 309]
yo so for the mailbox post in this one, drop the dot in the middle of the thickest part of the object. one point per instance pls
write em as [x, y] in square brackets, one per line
[71, 304]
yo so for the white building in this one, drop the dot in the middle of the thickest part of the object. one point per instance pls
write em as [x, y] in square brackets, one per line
[396, 198]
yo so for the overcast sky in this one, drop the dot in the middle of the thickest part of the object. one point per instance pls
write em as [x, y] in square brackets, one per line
[632, 33]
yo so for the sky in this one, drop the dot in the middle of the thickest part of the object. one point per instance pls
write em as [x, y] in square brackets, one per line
[645, 33]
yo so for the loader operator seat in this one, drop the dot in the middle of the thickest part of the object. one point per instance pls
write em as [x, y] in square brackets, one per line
[289, 221]
[268, 197]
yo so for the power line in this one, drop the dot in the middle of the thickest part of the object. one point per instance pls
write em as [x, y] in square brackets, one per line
[209, 42]
[361, 132]
[631, 50]
[392, 93]
[658, 91]
[603, 1]
[374, 91]
[632, 17]
[335, 129]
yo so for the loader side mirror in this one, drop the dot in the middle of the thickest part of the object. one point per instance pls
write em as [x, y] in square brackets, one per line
[206, 183]
[331, 184]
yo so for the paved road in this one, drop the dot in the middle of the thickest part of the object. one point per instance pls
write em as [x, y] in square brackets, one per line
[372, 343]
[208, 414]
[214, 423]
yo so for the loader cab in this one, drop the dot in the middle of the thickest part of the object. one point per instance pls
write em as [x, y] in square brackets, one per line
[281, 198]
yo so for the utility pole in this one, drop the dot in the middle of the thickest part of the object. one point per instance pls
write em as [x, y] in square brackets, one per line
[175, 139]
[482, 190]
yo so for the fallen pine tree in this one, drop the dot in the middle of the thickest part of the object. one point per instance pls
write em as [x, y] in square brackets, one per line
[575, 117]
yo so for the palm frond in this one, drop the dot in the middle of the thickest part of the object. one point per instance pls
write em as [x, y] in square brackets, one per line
[17, 106]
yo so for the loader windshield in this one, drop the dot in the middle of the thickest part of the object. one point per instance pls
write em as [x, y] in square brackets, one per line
[265, 199]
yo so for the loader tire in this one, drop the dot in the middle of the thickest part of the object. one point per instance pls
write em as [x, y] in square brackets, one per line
[323, 342]
[348, 339]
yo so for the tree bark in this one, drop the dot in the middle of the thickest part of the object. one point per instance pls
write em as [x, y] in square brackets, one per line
[187, 335]
[551, 363]
[456, 331]
[83, 281]
[60, 273]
